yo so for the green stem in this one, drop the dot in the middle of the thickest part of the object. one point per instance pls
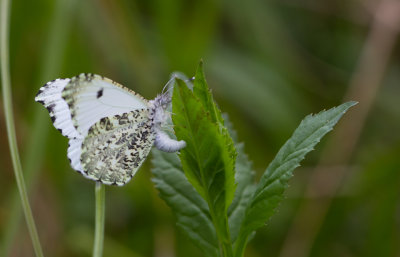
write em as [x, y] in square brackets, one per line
[100, 215]
[222, 230]
[12, 138]
[227, 243]
[240, 246]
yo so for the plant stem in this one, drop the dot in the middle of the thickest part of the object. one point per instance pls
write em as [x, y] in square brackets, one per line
[12, 138]
[222, 230]
[100, 216]
[226, 244]
[240, 246]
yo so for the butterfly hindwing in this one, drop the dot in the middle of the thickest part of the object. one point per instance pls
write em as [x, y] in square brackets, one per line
[116, 146]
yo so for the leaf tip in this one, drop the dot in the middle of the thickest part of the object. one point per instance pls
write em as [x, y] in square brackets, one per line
[349, 104]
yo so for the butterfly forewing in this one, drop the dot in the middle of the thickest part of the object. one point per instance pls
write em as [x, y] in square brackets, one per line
[116, 146]
[91, 97]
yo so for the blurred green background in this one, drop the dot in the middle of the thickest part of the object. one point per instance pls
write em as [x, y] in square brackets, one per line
[269, 64]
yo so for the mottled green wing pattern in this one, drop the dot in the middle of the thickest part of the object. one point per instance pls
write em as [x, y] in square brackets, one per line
[116, 146]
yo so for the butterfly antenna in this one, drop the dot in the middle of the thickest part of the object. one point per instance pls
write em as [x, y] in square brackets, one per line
[170, 84]
[167, 86]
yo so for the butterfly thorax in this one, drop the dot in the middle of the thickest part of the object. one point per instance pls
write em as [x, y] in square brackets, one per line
[159, 116]
[157, 110]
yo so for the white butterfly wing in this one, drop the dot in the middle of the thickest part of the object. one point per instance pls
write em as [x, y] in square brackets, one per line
[76, 104]
[50, 96]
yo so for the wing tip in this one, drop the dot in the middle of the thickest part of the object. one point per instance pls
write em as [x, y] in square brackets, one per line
[47, 91]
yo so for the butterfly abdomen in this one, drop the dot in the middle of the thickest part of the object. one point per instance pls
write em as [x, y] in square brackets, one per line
[164, 143]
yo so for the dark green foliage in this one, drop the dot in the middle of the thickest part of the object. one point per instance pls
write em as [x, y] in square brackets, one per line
[190, 209]
[244, 178]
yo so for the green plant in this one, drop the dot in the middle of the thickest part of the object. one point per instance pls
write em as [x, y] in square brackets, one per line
[210, 185]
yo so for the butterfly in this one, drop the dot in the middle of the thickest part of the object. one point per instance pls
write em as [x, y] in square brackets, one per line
[110, 128]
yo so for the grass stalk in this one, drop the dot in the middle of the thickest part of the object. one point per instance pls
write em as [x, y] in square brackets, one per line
[99, 220]
[12, 138]
[31, 161]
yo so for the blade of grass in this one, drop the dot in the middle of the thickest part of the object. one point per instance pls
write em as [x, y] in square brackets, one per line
[100, 193]
[35, 147]
[12, 138]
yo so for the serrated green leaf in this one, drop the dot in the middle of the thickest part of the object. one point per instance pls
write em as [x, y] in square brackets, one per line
[229, 126]
[190, 209]
[207, 160]
[203, 93]
[202, 151]
[269, 191]
[244, 177]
